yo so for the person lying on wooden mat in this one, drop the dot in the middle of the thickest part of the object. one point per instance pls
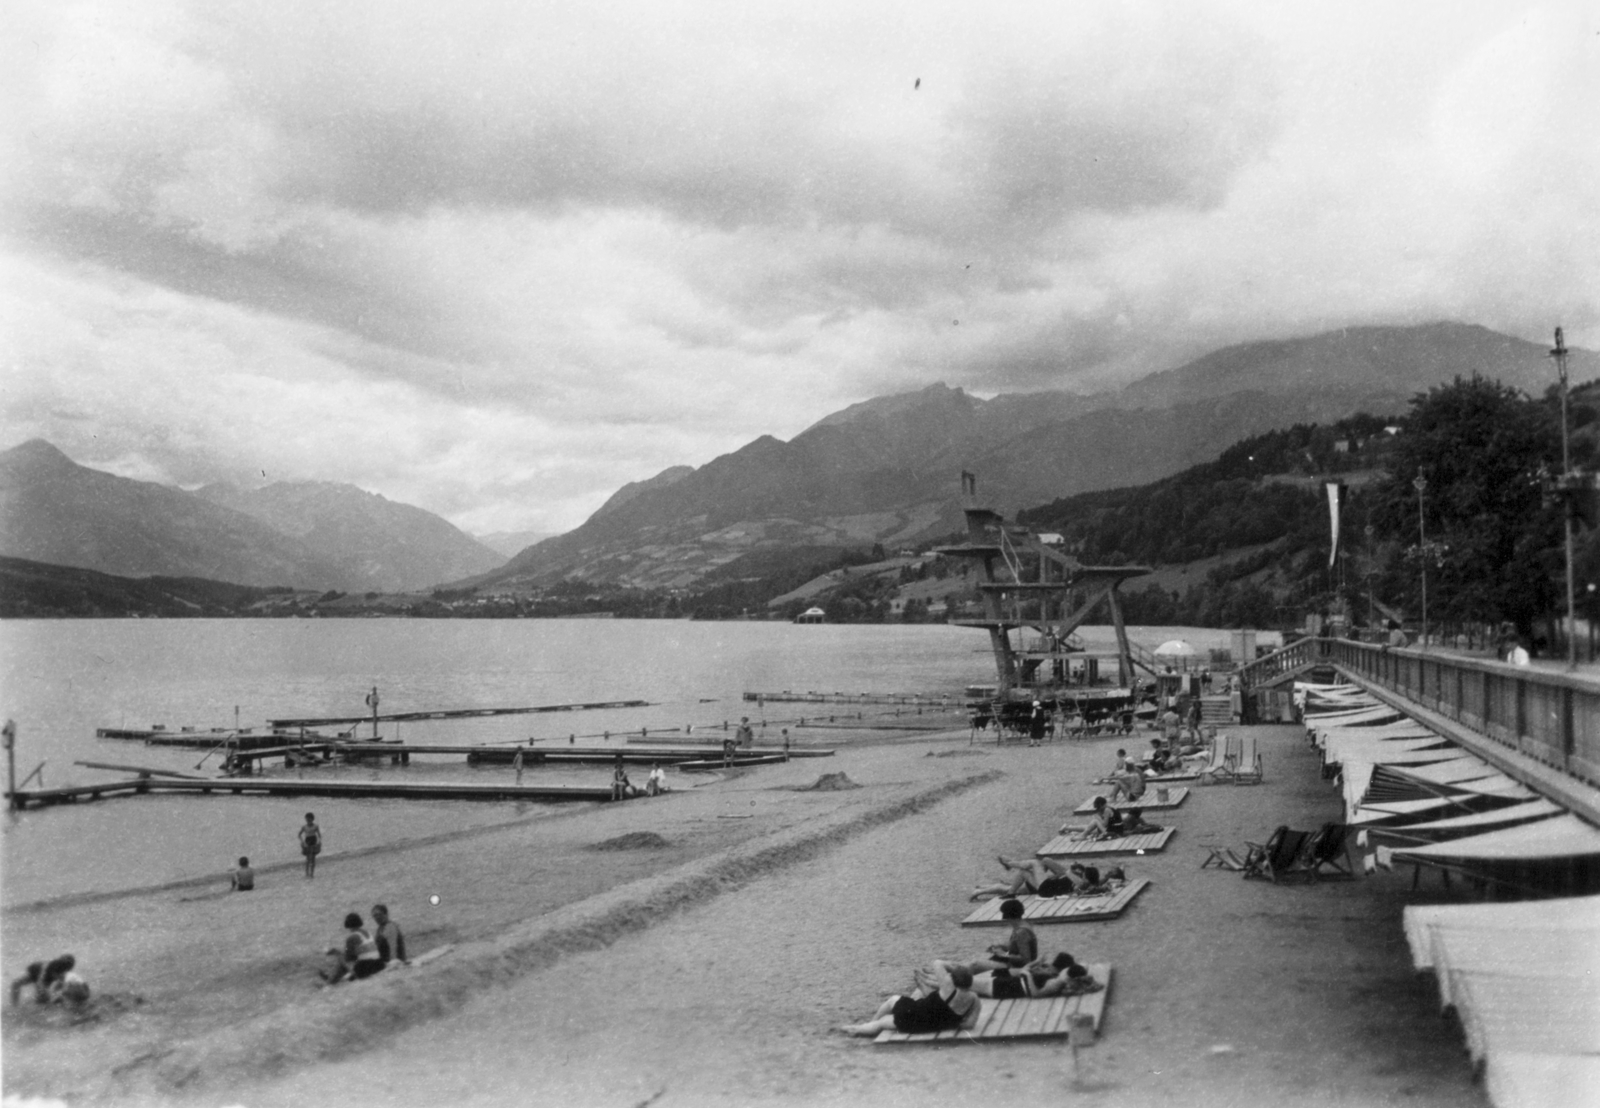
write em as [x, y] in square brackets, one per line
[949, 1006]
[1109, 823]
[1060, 976]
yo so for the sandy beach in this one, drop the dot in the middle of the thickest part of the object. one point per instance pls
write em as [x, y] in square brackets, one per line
[714, 966]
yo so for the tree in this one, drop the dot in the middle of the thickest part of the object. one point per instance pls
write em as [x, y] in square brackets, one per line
[1484, 450]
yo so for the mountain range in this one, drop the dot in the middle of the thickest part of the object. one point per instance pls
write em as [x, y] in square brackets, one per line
[307, 534]
[886, 470]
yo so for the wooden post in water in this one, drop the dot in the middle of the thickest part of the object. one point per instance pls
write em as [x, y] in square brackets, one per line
[10, 732]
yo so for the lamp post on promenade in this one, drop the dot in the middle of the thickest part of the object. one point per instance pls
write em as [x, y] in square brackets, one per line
[1559, 353]
[1370, 567]
[1421, 485]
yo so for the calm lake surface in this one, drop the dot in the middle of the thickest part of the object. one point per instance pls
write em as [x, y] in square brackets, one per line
[61, 679]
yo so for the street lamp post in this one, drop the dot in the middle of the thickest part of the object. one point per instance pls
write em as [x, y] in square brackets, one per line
[1559, 353]
[1421, 485]
[1370, 567]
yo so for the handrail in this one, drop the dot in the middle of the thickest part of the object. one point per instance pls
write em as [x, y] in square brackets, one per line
[1297, 655]
[1552, 717]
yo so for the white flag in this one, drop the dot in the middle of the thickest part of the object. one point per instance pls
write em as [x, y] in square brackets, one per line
[1336, 491]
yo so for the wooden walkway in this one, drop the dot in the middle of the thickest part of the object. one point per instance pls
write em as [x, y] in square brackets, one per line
[454, 713]
[1061, 909]
[1064, 845]
[534, 755]
[1049, 1018]
[1150, 799]
[269, 786]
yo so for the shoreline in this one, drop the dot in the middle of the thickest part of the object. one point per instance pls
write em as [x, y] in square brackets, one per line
[773, 953]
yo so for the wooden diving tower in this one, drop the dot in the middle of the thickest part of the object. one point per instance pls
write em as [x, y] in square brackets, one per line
[1029, 585]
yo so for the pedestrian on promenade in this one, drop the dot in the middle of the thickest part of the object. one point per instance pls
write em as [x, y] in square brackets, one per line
[745, 736]
[516, 764]
[311, 843]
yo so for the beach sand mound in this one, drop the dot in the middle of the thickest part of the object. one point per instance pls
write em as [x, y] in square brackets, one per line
[829, 783]
[633, 840]
[958, 754]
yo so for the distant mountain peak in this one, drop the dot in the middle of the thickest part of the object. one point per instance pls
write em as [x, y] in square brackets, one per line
[37, 452]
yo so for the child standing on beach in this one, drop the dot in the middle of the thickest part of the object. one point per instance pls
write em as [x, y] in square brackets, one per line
[311, 843]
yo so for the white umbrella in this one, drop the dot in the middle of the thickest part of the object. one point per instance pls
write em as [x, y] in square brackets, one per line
[1174, 648]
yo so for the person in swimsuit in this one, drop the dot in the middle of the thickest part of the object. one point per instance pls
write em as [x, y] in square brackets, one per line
[357, 954]
[311, 843]
[1038, 979]
[386, 933]
[243, 879]
[950, 1006]
[1038, 876]
[1019, 950]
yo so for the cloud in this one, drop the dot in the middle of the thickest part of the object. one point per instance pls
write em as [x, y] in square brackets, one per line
[500, 259]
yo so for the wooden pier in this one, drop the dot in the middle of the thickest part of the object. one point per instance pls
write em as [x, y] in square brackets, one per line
[400, 753]
[454, 713]
[908, 700]
[272, 786]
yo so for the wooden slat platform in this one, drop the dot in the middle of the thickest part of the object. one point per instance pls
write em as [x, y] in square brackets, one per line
[1061, 909]
[1049, 1018]
[1175, 797]
[1064, 845]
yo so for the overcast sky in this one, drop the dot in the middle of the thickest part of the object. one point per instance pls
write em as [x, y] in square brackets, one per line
[497, 259]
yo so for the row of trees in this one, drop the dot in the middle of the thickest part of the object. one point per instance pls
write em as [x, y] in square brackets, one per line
[1486, 522]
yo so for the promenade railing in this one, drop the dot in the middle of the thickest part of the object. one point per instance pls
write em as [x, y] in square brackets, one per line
[1550, 716]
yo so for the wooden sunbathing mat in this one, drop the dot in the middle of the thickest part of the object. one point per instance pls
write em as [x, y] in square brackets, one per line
[1175, 797]
[1061, 909]
[1064, 845]
[1047, 1018]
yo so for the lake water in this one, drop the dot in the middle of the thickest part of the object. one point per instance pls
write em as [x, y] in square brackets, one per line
[62, 679]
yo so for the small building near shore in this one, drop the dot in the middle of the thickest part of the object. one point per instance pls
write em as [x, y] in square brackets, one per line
[812, 615]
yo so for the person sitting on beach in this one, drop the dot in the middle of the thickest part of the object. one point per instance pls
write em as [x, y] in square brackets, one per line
[53, 982]
[243, 879]
[621, 788]
[1017, 951]
[357, 954]
[1109, 823]
[1122, 766]
[386, 933]
[656, 783]
[66, 987]
[42, 978]
[1128, 786]
[950, 1006]
[1038, 876]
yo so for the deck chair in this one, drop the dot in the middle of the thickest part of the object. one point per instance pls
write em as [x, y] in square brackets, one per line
[1222, 856]
[1224, 753]
[1247, 769]
[1327, 848]
[1278, 857]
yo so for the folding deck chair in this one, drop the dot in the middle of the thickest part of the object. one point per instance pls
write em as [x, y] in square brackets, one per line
[1247, 770]
[1327, 848]
[1224, 753]
[1278, 857]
